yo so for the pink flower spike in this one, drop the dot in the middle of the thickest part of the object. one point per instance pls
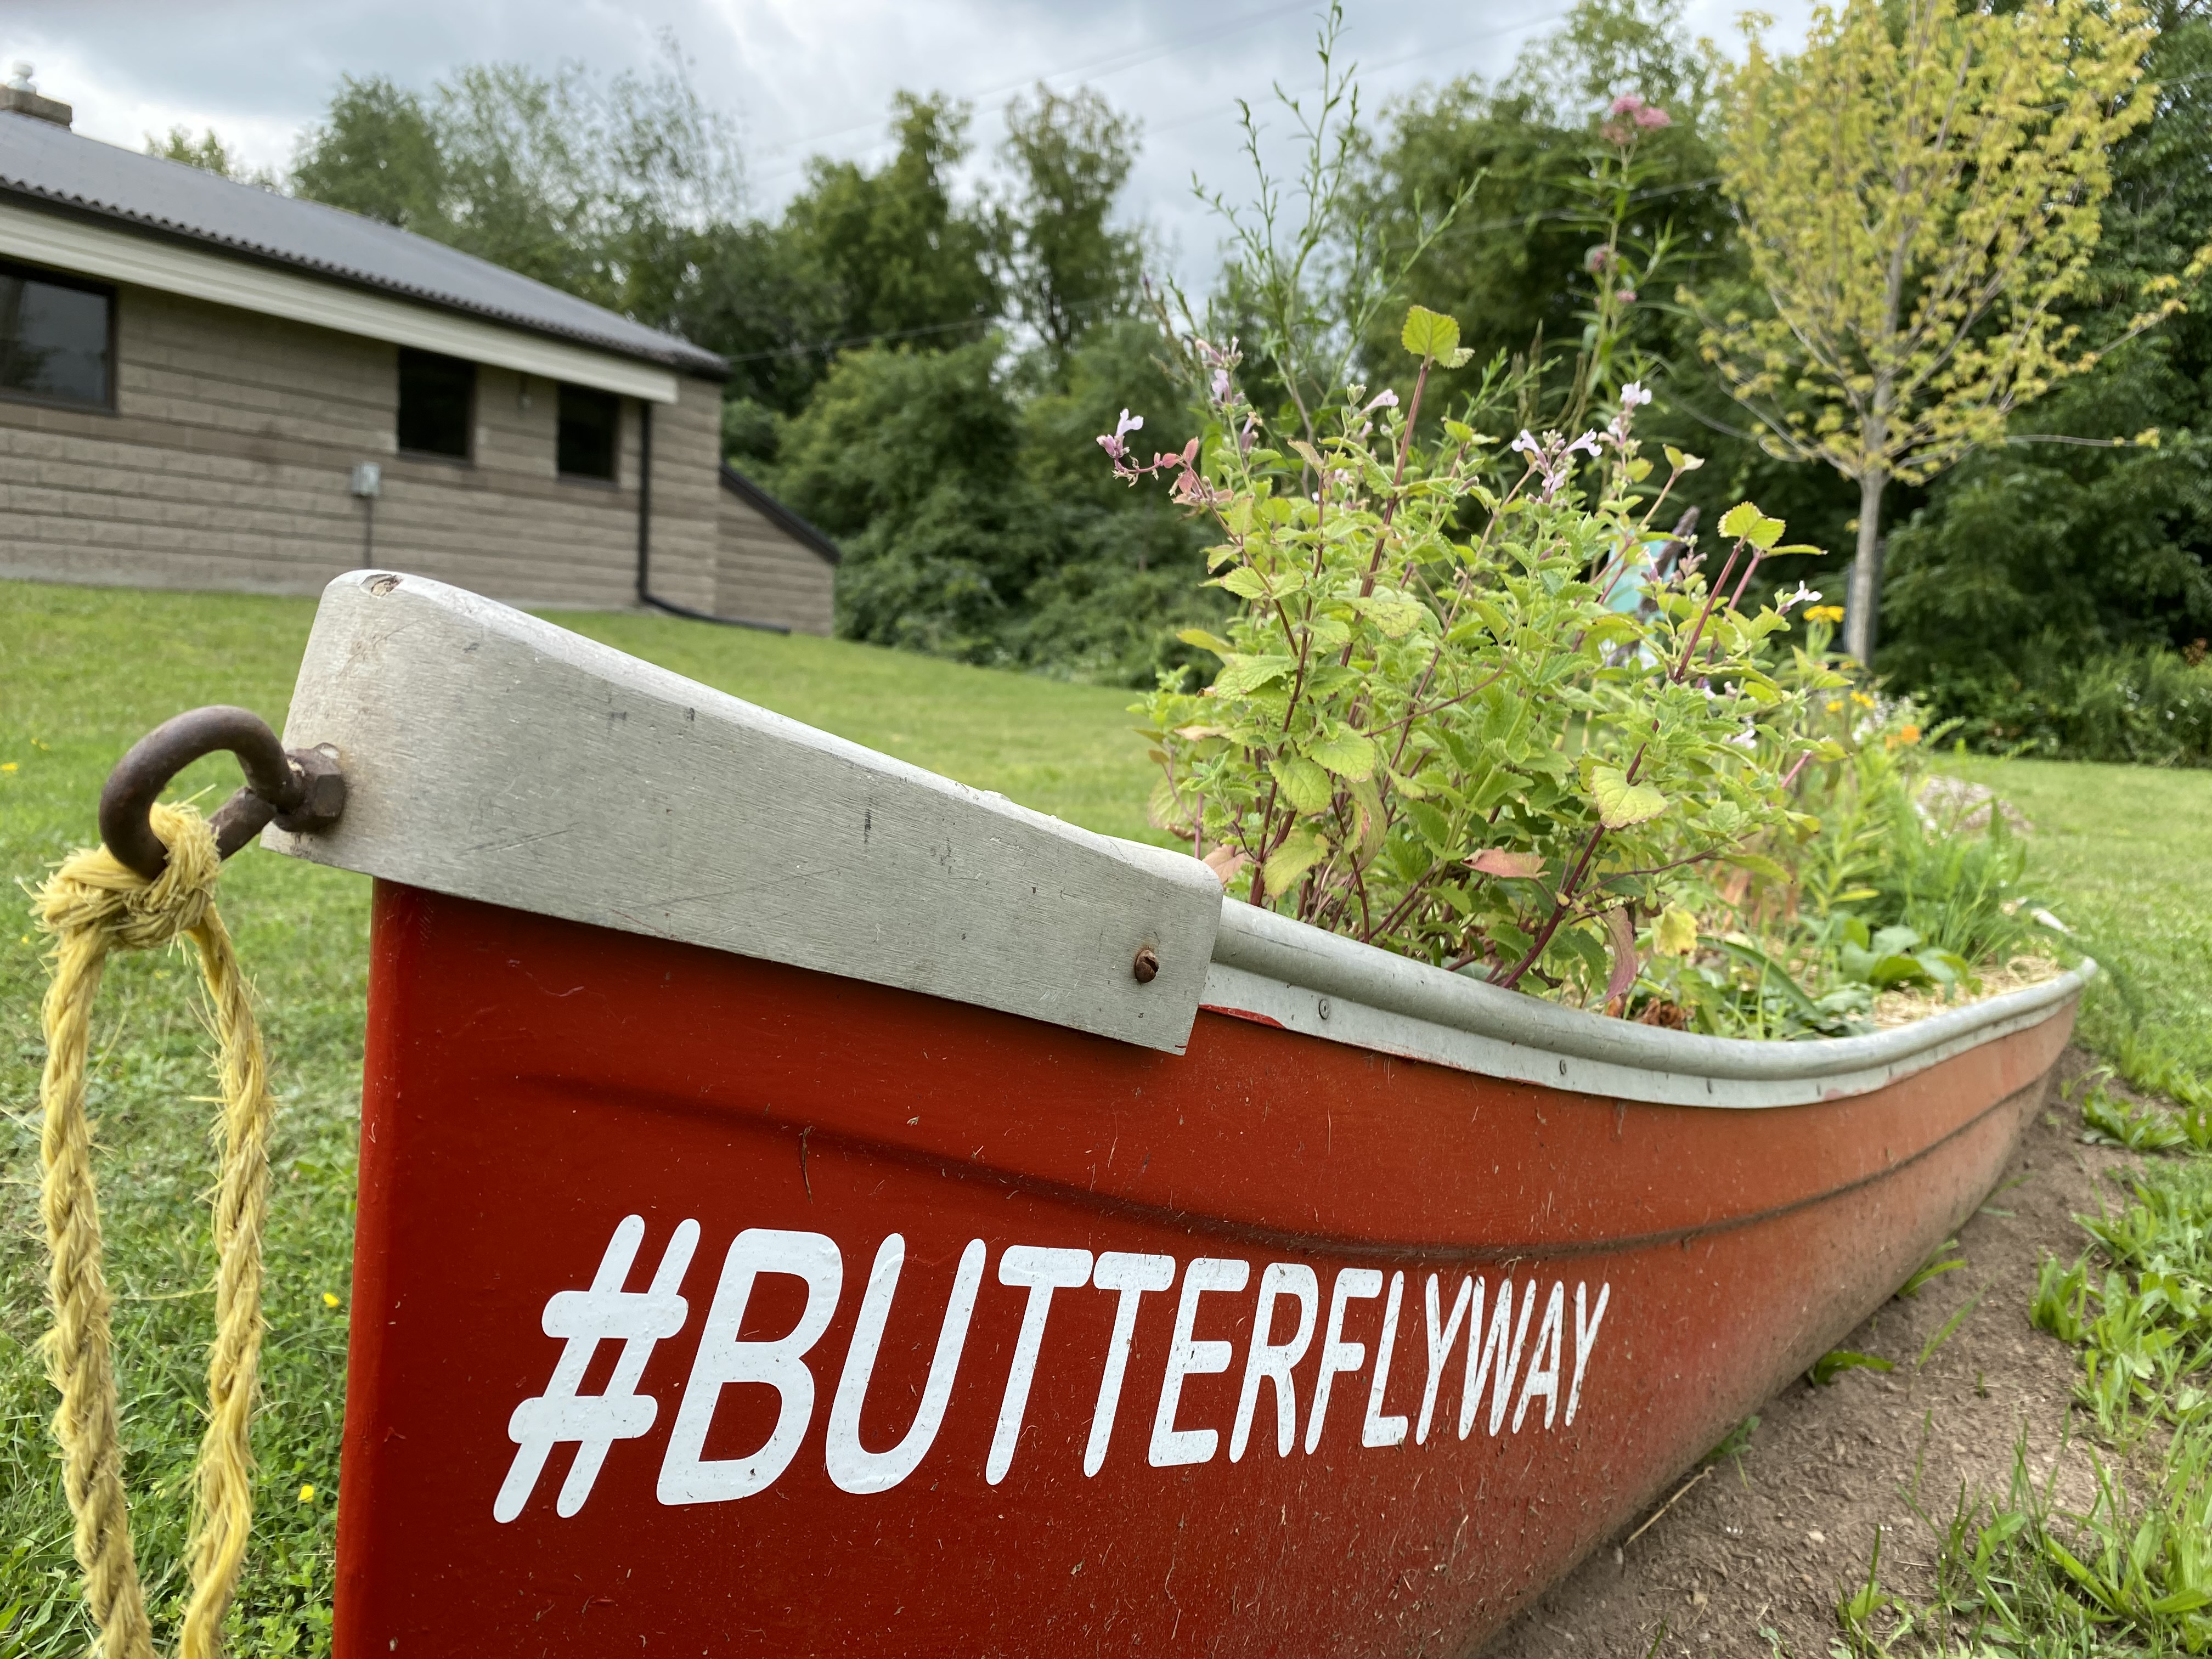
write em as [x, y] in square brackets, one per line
[1627, 104]
[1651, 118]
[1627, 296]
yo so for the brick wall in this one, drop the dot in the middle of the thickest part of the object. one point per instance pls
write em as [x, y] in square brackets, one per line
[227, 465]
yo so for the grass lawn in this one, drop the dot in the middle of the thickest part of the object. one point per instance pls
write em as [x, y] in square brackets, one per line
[2125, 855]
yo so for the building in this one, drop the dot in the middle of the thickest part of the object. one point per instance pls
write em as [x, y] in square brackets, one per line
[205, 385]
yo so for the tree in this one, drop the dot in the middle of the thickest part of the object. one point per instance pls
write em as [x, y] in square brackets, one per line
[1916, 192]
[375, 153]
[901, 260]
[2122, 531]
[1068, 271]
[209, 153]
[597, 187]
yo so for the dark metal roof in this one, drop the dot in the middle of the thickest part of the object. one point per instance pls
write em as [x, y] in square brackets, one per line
[778, 515]
[49, 165]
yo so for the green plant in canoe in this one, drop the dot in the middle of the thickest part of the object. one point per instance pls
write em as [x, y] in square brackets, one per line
[1469, 708]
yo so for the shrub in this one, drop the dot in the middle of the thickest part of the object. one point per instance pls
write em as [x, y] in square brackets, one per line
[1432, 728]
[2145, 706]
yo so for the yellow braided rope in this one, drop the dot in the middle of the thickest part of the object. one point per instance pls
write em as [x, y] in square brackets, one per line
[92, 905]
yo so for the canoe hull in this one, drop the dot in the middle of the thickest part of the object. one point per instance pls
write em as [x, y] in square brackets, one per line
[701, 1451]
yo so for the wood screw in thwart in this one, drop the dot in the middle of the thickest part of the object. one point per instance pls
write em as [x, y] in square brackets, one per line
[1148, 965]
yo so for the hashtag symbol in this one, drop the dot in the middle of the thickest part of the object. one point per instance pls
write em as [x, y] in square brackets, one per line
[584, 1319]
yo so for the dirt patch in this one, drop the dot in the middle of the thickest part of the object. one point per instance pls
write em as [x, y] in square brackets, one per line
[1770, 1541]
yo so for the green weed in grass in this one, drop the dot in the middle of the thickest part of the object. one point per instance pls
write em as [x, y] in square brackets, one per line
[2018, 1575]
[1934, 1267]
[1834, 1362]
[2108, 1119]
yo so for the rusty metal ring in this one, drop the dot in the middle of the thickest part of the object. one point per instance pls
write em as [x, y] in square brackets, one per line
[298, 789]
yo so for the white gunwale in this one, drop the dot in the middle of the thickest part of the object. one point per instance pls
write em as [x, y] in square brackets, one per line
[1326, 986]
[492, 755]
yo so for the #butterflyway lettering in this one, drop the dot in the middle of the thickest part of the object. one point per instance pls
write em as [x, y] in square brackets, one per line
[1490, 1329]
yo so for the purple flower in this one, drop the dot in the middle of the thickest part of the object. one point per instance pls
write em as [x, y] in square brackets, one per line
[1221, 386]
[1385, 398]
[1552, 457]
[1804, 595]
[1117, 451]
[1634, 396]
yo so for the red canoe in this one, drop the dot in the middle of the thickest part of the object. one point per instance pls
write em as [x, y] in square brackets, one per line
[789, 1223]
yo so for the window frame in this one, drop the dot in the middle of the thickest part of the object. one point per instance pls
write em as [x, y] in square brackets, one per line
[468, 456]
[108, 291]
[612, 479]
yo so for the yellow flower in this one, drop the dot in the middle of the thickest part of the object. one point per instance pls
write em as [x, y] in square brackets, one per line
[1825, 613]
[1835, 709]
[7, 766]
[307, 1494]
[1861, 699]
[328, 1300]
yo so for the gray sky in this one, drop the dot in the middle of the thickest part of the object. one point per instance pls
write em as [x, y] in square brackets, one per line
[799, 77]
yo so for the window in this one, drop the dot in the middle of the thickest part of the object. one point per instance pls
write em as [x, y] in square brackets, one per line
[437, 402]
[589, 422]
[56, 341]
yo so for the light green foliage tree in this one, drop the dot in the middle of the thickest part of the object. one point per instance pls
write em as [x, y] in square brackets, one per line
[376, 153]
[597, 186]
[209, 153]
[1918, 190]
[1069, 270]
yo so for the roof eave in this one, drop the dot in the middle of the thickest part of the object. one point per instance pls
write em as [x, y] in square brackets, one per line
[699, 363]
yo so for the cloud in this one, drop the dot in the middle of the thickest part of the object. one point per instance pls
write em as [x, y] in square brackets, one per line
[799, 77]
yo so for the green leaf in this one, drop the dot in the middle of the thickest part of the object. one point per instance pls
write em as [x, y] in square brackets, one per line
[1760, 865]
[1245, 583]
[1764, 532]
[1620, 802]
[1682, 462]
[1834, 1362]
[1738, 519]
[1206, 641]
[1351, 756]
[1676, 933]
[1434, 827]
[1305, 786]
[1396, 618]
[1429, 334]
[1301, 850]
[1245, 674]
